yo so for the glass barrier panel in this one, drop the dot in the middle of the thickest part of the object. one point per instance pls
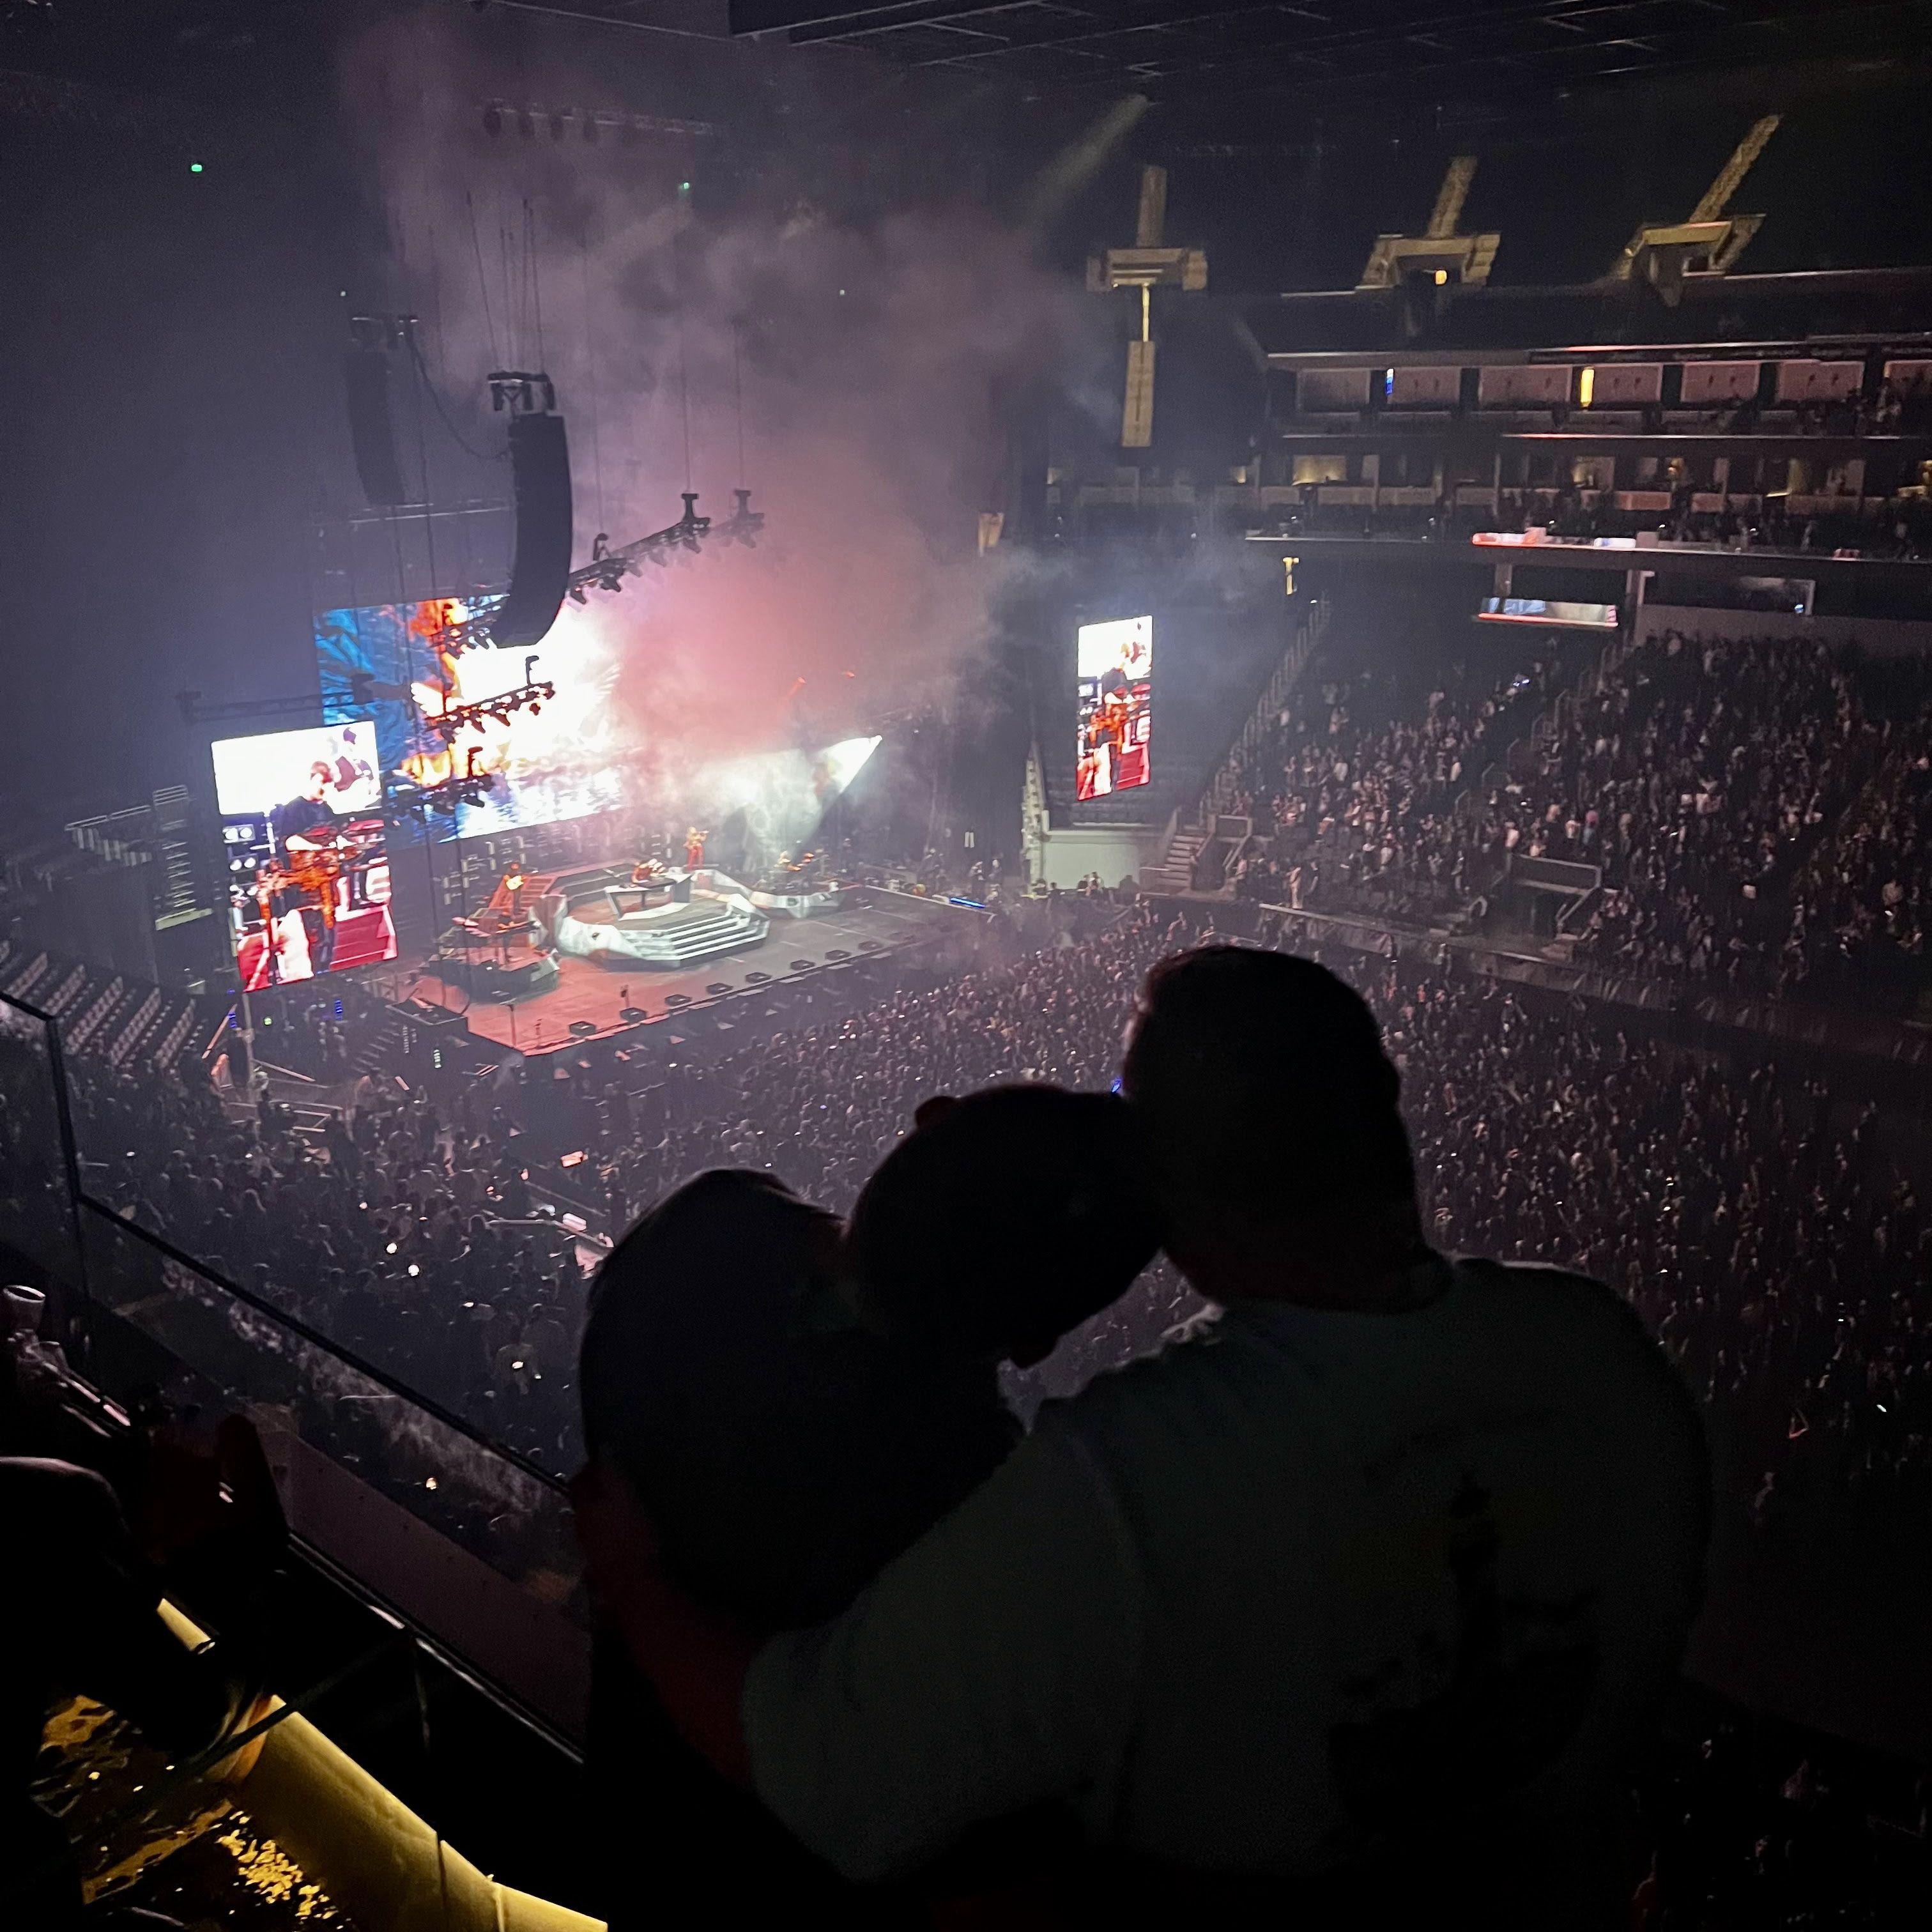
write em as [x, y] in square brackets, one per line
[473, 1547]
[36, 1222]
[357, 1239]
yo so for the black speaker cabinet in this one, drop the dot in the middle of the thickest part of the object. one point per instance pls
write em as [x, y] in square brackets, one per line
[540, 472]
[371, 434]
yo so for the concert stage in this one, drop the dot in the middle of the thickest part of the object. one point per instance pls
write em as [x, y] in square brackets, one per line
[594, 996]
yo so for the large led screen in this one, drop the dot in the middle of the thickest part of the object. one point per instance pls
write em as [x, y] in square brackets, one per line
[560, 759]
[1114, 673]
[307, 856]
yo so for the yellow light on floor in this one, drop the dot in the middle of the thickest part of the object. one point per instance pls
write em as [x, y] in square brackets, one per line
[1441, 276]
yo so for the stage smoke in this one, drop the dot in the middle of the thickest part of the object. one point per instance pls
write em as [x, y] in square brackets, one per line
[851, 371]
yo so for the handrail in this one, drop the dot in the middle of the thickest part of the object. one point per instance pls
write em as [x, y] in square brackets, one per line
[1282, 680]
[294, 1325]
[207, 1054]
[278, 1317]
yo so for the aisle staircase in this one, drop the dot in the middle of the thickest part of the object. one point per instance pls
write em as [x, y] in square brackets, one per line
[1175, 871]
[1191, 833]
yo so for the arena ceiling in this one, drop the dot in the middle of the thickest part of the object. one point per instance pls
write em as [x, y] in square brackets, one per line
[1262, 66]
[1261, 57]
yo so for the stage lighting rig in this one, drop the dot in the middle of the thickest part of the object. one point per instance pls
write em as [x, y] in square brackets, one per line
[522, 391]
[533, 692]
[526, 118]
[744, 524]
[607, 568]
[475, 632]
[382, 332]
[468, 786]
[193, 711]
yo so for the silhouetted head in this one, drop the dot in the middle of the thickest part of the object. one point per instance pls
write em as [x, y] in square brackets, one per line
[784, 1453]
[1003, 1220]
[1264, 1097]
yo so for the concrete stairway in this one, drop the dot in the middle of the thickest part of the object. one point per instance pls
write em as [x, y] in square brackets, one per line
[1175, 872]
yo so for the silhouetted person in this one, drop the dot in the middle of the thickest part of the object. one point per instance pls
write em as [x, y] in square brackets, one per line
[1366, 1590]
[794, 1414]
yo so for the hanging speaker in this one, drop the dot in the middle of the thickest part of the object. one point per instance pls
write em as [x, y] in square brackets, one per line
[371, 432]
[540, 475]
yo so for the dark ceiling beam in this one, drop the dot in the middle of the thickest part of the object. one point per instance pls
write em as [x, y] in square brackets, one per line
[1584, 44]
[1686, 44]
[865, 25]
[803, 24]
[1302, 29]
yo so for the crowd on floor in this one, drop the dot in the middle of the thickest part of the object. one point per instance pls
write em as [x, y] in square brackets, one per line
[1766, 1226]
[1770, 1229]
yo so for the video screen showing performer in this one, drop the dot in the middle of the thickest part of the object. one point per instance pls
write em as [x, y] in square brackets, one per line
[1113, 690]
[307, 858]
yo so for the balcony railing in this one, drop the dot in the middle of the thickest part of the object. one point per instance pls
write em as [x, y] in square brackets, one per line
[469, 1545]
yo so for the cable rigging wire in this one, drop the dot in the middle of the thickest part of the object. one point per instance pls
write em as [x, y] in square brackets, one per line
[738, 392]
[590, 365]
[482, 280]
[532, 276]
[683, 357]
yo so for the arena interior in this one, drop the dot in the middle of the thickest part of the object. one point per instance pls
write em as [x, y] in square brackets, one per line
[599, 591]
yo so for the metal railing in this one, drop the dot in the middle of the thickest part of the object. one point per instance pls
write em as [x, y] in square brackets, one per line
[464, 1540]
[1266, 709]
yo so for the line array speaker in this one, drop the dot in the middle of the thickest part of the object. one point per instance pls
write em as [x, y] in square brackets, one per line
[540, 474]
[371, 434]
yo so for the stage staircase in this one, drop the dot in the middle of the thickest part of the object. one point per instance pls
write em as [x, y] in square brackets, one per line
[706, 930]
[384, 1049]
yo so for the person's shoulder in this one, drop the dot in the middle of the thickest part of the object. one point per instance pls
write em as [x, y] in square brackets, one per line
[1556, 1295]
[1190, 1354]
[1584, 1321]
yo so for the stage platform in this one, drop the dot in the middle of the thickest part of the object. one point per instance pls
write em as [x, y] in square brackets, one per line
[596, 995]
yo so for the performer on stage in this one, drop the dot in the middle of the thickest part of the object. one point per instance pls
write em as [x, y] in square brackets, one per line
[693, 848]
[294, 822]
[645, 874]
[295, 827]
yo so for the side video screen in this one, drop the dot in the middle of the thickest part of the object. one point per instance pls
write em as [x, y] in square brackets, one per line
[1114, 691]
[306, 852]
